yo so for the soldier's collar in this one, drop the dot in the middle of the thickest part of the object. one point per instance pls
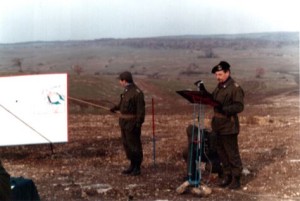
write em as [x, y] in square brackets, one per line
[128, 85]
[224, 84]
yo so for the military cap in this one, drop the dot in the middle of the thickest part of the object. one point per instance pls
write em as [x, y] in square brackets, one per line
[223, 65]
[126, 75]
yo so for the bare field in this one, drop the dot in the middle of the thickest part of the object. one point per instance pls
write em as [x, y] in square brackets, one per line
[88, 167]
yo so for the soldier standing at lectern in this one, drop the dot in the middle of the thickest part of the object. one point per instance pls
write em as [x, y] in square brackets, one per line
[225, 124]
[132, 108]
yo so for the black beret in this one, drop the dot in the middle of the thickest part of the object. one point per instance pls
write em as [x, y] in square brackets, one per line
[223, 65]
[126, 75]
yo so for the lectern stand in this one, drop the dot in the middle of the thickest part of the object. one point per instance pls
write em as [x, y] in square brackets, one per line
[199, 99]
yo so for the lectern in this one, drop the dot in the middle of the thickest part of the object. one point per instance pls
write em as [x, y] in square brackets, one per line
[199, 99]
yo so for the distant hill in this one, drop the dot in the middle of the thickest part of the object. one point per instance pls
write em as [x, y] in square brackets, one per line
[274, 36]
[186, 41]
[198, 42]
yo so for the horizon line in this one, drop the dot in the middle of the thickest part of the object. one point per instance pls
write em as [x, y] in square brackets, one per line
[152, 37]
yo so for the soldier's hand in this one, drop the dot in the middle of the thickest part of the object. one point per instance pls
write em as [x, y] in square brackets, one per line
[113, 110]
[218, 108]
[202, 93]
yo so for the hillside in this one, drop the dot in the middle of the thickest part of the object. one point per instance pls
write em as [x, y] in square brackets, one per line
[175, 59]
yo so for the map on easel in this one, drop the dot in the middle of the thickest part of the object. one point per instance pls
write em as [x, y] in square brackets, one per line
[33, 109]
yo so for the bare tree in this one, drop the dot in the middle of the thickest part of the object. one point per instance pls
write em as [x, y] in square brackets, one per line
[18, 62]
[259, 72]
[78, 69]
[209, 53]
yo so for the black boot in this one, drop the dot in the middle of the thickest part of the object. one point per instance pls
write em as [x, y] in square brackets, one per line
[225, 181]
[129, 169]
[136, 170]
[235, 183]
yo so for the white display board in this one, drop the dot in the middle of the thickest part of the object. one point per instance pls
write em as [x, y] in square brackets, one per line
[33, 109]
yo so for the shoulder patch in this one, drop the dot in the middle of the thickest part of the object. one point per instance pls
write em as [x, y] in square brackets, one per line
[236, 84]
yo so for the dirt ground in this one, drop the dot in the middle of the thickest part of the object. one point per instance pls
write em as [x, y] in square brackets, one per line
[89, 166]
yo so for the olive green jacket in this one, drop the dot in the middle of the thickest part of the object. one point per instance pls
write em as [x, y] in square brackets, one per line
[231, 98]
[132, 103]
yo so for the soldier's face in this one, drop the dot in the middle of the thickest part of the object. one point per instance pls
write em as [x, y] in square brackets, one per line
[222, 76]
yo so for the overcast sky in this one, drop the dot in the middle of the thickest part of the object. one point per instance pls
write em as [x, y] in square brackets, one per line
[47, 20]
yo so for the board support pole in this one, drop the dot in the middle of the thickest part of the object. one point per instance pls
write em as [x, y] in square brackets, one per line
[29, 126]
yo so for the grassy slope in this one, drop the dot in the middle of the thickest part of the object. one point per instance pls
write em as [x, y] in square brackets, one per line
[160, 72]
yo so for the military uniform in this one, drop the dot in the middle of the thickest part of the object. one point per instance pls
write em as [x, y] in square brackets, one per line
[225, 124]
[132, 108]
[5, 190]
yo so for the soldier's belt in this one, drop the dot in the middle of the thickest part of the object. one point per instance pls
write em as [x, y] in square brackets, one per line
[220, 115]
[127, 116]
